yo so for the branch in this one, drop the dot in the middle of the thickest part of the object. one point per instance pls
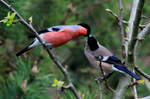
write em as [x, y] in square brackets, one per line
[117, 18]
[120, 18]
[122, 30]
[134, 90]
[141, 37]
[135, 18]
[147, 84]
[100, 89]
[16, 21]
[121, 88]
[134, 21]
[140, 71]
[144, 32]
[104, 78]
[58, 64]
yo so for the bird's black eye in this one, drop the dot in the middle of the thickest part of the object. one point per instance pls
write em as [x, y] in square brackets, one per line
[55, 29]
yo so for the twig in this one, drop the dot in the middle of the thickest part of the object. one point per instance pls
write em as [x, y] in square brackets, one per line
[16, 21]
[100, 89]
[141, 37]
[122, 30]
[58, 64]
[133, 84]
[147, 84]
[140, 71]
[103, 75]
[134, 87]
[117, 18]
[120, 18]
[134, 21]
[144, 32]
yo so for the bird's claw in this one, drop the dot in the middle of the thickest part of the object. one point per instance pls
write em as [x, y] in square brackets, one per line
[100, 78]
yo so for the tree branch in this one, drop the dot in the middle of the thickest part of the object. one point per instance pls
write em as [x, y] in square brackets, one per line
[58, 64]
[104, 78]
[120, 17]
[134, 22]
[135, 18]
[141, 37]
[100, 88]
[121, 88]
[140, 71]
[124, 21]
[122, 30]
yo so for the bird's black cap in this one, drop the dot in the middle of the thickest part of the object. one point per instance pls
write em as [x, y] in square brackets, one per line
[87, 27]
[92, 43]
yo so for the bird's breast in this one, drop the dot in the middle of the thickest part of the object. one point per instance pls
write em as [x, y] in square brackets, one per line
[58, 38]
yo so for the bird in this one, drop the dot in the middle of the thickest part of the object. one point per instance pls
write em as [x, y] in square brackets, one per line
[58, 35]
[96, 54]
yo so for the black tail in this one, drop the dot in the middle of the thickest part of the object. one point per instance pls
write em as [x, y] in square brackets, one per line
[124, 69]
[22, 51]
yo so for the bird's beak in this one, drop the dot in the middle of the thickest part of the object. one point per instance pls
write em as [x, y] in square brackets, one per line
[83, 31]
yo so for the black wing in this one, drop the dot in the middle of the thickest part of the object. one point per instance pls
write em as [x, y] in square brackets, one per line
[110, 60]
[51, 29]
[114, 60]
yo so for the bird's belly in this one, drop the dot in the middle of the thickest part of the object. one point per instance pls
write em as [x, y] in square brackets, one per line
[57, 39]
[106, 67]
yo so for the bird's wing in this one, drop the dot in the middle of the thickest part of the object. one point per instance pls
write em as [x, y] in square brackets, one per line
[114, 59]
[50, 29]
[59, 28]
[110, 59]
[56, 28]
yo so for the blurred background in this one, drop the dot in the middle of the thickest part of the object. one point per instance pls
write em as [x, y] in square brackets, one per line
[31, 75]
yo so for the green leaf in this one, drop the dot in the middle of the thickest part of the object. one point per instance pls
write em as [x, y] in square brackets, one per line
[8, 14]
[8, 20]
[58, 84]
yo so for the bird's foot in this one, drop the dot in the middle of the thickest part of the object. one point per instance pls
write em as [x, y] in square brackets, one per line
[100, 78]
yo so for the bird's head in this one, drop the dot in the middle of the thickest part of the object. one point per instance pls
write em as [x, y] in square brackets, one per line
[92, 43]
[87, 27]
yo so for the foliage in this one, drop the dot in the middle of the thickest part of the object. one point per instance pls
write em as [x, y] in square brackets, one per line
[8, 20]
[58, 84]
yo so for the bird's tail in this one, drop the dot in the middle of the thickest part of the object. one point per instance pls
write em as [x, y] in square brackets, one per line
[25, 49]
[124, 69]
[22, 51]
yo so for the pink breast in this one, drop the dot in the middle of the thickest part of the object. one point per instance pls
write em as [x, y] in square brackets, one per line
[57, 38]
